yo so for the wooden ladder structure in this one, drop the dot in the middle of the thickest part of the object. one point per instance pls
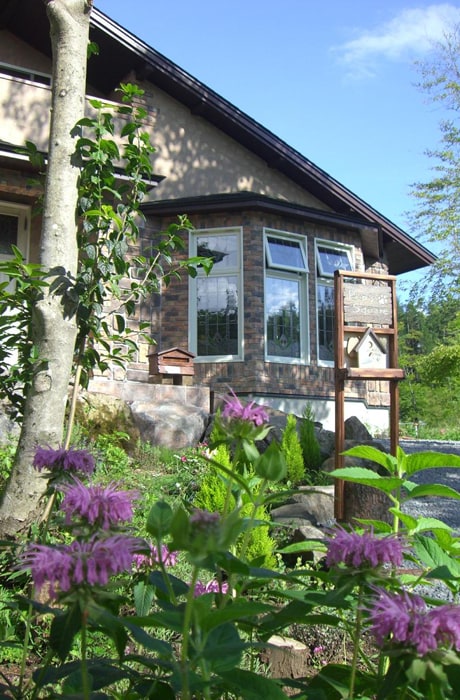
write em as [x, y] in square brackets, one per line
[363, 301]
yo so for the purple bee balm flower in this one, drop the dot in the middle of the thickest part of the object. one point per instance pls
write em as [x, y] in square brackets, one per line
[251, 413]
[80, 563]
[64, 460]
[363, 551]
[446, 620]
[104, 506]
[213, 586]
[167, 557]
[405, 619]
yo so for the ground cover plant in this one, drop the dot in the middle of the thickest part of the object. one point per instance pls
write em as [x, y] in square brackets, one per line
[179, 607]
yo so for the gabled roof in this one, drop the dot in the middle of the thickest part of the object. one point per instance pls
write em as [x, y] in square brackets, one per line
[121, 51]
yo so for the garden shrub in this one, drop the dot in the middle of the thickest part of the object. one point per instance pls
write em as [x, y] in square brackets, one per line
[261, 546]
[309, 443]
[212, 495]
[292, 451]
[213, 488]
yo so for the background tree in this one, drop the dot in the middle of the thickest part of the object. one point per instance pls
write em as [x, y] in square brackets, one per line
[429, 345]
[96, 296]
[54, 327]
[437, 216]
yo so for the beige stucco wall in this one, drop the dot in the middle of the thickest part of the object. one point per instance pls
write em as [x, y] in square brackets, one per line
[196, 158]
[18, 53]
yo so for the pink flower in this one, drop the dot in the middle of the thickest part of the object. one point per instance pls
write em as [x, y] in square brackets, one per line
[251, 413]
[80, 563]
[99, 505]
[363, 551]
[405, 619]
[213, 586]
[64, 460]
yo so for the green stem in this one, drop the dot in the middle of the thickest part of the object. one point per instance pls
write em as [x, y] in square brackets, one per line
[25, 647]
[228, 496]
[186, 634]
[40, 675]
[84, 661]
[357, 635]
[164, 573]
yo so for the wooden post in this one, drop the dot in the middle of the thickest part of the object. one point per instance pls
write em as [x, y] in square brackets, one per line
[355, 317]
[339, 394]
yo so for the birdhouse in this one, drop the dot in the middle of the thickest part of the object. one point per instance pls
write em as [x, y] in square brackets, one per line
[368, 351]
[174, 361]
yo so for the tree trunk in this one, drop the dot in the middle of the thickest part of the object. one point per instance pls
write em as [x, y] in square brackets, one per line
[54, 324]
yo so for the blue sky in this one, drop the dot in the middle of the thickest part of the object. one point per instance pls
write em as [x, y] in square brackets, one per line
[335, 79]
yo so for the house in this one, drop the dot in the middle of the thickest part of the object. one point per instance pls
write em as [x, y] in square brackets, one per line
[275, 224]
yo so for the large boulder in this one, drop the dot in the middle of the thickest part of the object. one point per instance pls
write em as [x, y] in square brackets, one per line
[102, 414]
[8, 427]
[170, 424]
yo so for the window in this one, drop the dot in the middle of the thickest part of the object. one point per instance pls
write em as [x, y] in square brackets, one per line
[25, 74]
[216, 313]
[14, 230]
[329, 258]
[286, 303]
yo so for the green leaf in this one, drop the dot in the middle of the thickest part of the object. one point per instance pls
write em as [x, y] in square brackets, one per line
[64, 628]
[240, 610]
[146, 640]
[433, 490]
[407, 520]
[223, 649]
[143, 597]
[305, 546]
[389, 462]
[157, 579]
[251, 686]
[432, 555]
[367, 477]
[417, 461]
[102, 618]
[424, 524]
[159, 519]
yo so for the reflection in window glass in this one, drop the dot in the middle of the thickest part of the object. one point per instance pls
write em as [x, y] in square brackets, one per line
[284, 253]
[223, 250]
[282, 317]
[332, 259]
[8, 233]
[286, 300]
[328, 260]
[217, 315]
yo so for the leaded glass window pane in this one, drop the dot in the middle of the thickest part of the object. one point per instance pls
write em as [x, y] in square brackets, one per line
[325, 314]
[283, 317]
[217, 315]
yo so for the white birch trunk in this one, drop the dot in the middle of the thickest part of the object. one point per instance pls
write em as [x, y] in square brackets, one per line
[54, 324]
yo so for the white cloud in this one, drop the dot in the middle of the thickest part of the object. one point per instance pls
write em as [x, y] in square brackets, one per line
[410, 33]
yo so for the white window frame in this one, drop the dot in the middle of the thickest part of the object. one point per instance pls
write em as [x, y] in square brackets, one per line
[236, 271]
[29, 75]
[326, 279]
[297, 273]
